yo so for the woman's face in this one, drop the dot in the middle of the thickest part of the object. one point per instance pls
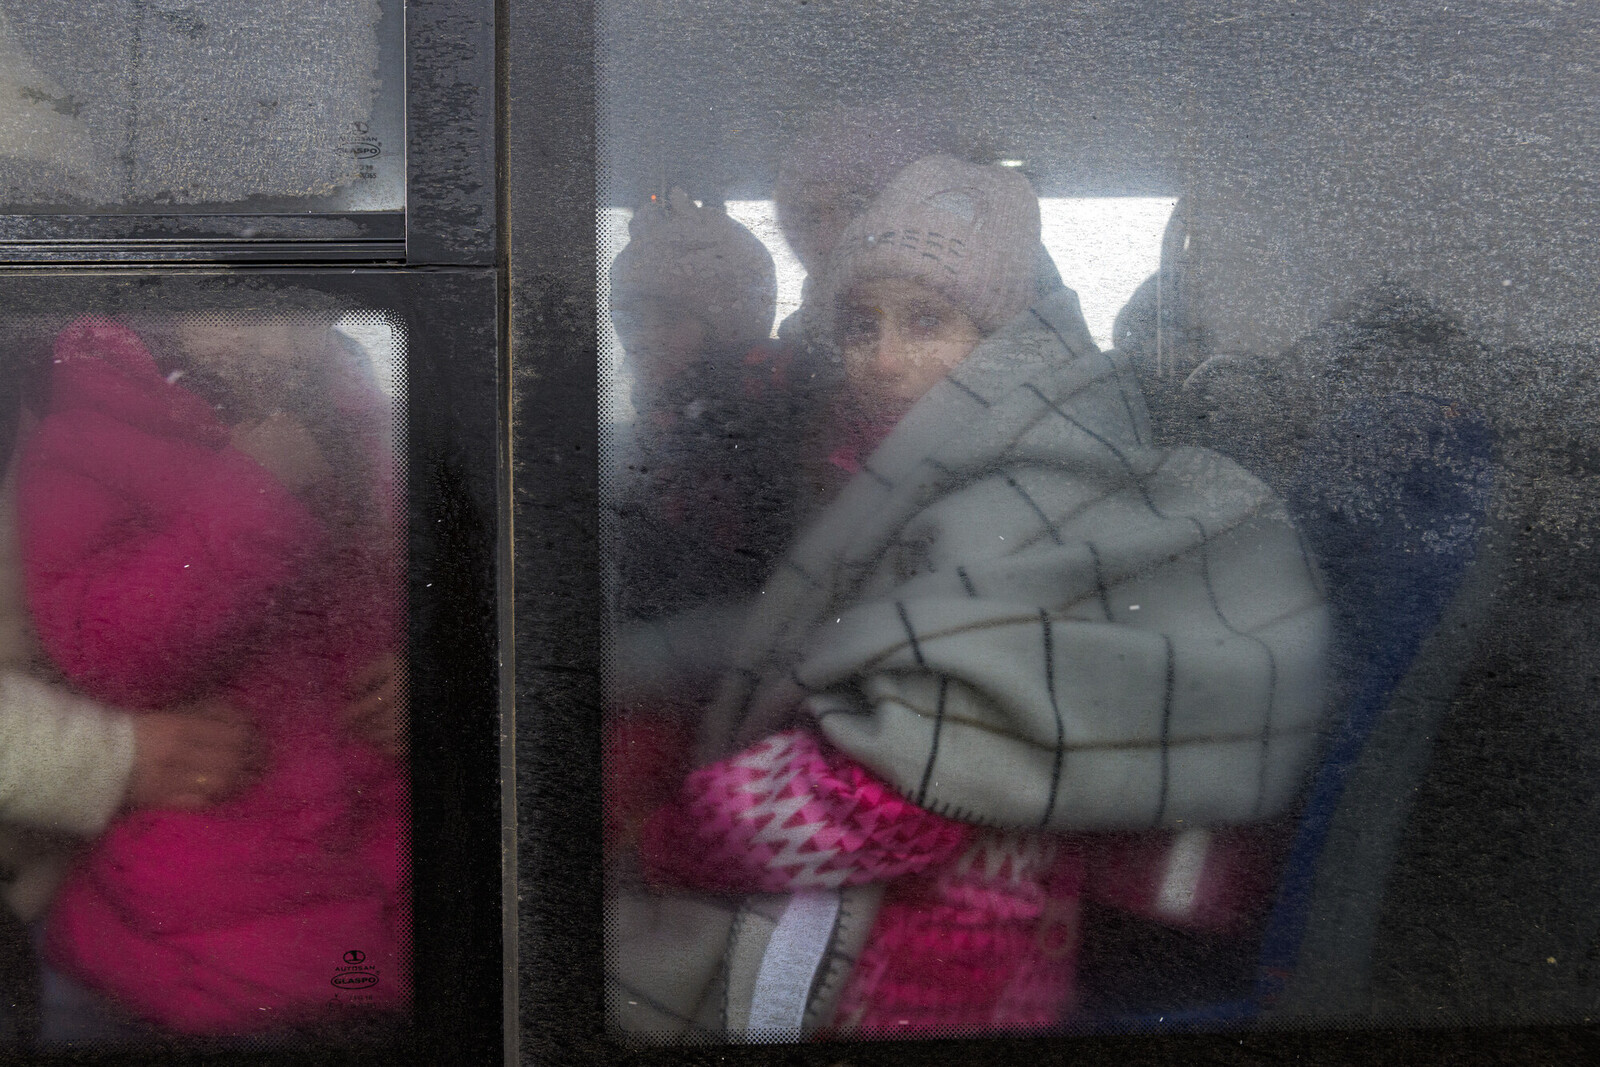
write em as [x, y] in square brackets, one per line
[899, 338]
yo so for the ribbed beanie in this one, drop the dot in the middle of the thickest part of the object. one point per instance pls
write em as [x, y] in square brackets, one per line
[968, 232]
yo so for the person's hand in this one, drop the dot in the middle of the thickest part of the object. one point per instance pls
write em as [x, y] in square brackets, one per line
[284, 446]
[374, 708]
[190, 757]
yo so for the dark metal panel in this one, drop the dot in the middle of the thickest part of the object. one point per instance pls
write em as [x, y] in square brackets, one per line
[156, 252]
[363, 237]
[550, 201]
[352, 226]
[450, 52]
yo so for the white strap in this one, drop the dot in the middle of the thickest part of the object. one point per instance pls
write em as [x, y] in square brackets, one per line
[1181, 882]
[795, 951]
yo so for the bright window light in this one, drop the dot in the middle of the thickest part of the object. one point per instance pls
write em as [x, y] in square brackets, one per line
[611, 232]
[760, 217]
[1104, 247]
[375, 333]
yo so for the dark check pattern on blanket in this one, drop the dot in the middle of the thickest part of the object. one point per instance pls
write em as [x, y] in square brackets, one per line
[1024, 615]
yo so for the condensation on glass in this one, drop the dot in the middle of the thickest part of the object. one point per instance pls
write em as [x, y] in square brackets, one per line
[1094, 516]
[204, 692]
[128, 106]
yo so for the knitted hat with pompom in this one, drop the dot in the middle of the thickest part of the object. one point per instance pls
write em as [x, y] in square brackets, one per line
[700, 261]
[968, 232]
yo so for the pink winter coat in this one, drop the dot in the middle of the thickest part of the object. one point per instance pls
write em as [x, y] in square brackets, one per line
[164, 566]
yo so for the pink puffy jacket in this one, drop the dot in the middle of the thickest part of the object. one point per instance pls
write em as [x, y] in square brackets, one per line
[163, 566]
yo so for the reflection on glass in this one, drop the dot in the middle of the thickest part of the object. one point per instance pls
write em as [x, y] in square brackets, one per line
[207, 538]
[124, 105]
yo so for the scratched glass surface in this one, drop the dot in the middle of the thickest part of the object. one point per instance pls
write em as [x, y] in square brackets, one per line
[127, 106]
[203, 694]
[1097, 517]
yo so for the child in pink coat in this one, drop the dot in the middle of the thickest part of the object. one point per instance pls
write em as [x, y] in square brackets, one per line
[176, 549]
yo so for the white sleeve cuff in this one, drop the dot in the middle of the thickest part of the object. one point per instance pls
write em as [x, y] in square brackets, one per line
[64, 760]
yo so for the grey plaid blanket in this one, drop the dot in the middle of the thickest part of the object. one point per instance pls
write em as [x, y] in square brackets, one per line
[1023, 614]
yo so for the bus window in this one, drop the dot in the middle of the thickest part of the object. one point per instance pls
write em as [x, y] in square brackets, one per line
[1092, 501]
[101, 110]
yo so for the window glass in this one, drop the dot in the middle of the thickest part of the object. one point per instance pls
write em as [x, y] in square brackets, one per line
[1094, 517]
[205, 802]
[103, 107]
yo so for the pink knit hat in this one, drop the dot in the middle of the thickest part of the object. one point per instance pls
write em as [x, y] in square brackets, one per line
[702, 261]
[968, 232]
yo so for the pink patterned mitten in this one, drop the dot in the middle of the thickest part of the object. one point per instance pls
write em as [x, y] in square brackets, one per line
[790, 813]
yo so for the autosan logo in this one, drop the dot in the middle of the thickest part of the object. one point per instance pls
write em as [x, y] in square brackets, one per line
[356, 973]
[361, 142]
